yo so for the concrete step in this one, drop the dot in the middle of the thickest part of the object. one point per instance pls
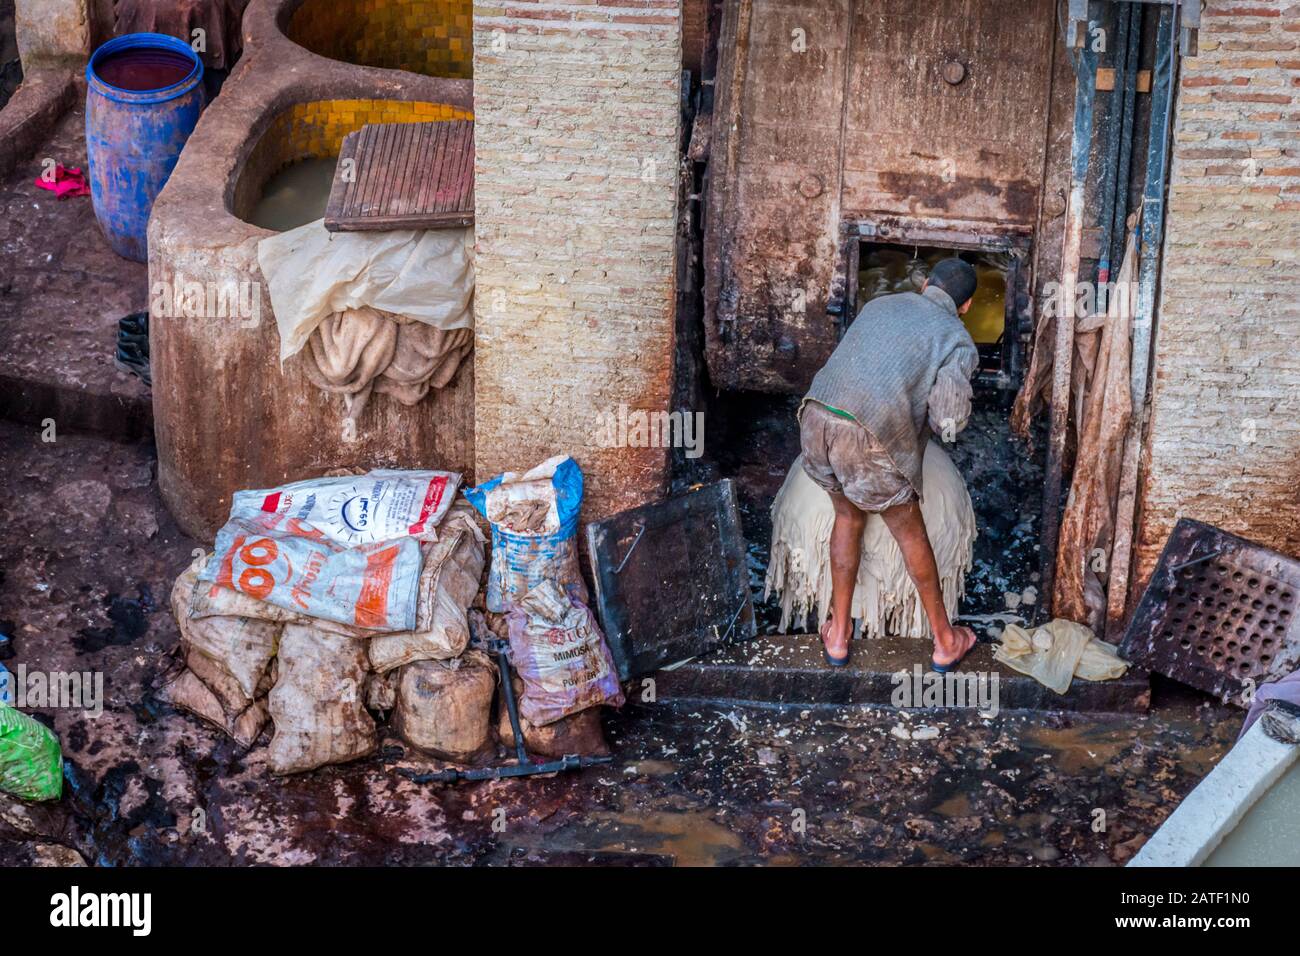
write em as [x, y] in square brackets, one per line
[789, 670]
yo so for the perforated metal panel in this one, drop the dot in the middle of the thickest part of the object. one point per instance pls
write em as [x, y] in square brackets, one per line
[1220, 613]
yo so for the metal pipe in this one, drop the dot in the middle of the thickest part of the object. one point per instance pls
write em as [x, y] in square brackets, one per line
[1120, 217]
[1110, 181]
[1152, 236]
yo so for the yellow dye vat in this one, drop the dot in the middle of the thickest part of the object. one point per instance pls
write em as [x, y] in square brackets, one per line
[432, 37]
[885, 271]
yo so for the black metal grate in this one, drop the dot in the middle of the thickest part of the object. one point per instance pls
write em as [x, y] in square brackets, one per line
[1219, 613]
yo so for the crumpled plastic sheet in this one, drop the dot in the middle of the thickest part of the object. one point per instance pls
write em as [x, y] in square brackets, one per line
[1057, 652]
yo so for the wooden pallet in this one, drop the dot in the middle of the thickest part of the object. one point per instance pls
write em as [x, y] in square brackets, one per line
[404, 176]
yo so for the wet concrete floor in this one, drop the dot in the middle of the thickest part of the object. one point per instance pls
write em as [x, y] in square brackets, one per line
[88, 555]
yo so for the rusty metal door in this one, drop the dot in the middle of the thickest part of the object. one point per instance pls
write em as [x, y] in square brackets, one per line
[836, 110]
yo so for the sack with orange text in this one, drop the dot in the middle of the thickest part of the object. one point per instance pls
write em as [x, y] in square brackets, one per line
[340, 549]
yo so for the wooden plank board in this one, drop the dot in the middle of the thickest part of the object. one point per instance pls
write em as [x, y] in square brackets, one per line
[404, 176]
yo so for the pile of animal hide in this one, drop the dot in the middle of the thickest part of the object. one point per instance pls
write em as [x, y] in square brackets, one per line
[1092, 556]
[885, 600]
[1103, 406]
[359, 351]
[249, 663]
[386, 312]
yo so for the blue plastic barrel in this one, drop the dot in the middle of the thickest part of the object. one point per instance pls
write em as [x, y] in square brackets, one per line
[144, 94]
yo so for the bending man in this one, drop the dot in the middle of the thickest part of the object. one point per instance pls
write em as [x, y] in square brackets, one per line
[902, 368]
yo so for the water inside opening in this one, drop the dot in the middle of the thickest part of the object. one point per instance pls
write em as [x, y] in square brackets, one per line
[142, 69]
[885, 269]
[296, 195]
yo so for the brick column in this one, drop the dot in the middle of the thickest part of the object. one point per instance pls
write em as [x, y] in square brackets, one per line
[576, 132]
[1225, 427]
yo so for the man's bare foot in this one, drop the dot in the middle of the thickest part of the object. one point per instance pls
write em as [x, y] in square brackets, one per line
[836, 639]
[953, 645]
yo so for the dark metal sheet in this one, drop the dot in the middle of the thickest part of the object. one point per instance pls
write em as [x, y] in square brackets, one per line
[1220, 612]
[405, 176]
[672, 579]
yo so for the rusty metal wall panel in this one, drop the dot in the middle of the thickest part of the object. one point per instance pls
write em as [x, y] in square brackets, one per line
[836, 110]
[1221, 613]
[777, 242]
[919, 145]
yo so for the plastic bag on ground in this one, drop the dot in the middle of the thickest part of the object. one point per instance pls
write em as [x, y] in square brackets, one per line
[1057, 652]
[445, 707]
[317, 702]
[534, 518]
[338, 549]
[559, 652]
[449, 582]
[31, 760]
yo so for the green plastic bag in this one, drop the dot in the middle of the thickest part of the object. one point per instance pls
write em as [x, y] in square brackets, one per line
[31, 760]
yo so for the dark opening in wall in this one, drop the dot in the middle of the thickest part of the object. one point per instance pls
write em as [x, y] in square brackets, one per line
[885, 269]
[753, 437]
[11, 67]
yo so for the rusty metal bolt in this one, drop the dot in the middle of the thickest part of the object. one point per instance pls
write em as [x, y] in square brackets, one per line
[811, 186]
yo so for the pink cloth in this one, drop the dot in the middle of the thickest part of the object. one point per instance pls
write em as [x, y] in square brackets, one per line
[67, 181]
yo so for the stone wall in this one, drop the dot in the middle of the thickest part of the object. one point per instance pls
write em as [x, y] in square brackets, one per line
[52, 32]
[576, 138]
[1224, 436]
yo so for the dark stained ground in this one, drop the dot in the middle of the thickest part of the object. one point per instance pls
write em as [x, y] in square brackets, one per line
[88, 555]
[62, 290]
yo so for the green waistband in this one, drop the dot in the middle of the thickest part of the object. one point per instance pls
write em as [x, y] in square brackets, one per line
[838, 411]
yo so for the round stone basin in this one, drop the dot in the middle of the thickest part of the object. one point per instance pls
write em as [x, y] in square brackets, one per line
[432, 37]
[285, 181]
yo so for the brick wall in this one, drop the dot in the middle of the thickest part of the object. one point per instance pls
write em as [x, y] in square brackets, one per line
[576, 139]
[1225, 429]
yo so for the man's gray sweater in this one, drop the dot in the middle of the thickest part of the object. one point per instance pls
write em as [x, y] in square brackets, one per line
[905, 359]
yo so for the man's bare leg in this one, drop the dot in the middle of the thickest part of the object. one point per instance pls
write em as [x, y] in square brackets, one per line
[846, 555]
[907, 525]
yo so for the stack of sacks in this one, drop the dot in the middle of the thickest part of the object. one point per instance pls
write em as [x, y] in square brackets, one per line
[884, 599]
[249, 660]
[537, 601]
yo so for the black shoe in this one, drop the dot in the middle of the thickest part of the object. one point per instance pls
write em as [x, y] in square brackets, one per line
[132, 353]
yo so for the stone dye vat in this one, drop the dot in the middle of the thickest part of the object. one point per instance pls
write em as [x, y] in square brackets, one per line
[227, 414]
[1242, 814]
[432, 37]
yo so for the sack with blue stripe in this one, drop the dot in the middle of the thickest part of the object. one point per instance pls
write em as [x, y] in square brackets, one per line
[534, 518]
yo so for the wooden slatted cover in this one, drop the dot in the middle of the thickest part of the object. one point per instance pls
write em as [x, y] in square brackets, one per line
[404, 176]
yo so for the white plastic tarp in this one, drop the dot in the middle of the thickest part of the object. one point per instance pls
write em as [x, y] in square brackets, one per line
[425, 275]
